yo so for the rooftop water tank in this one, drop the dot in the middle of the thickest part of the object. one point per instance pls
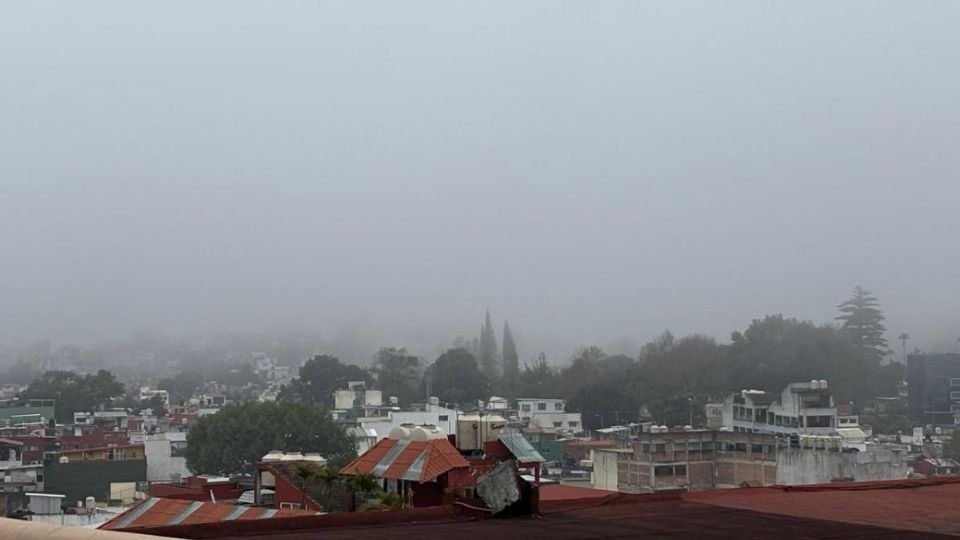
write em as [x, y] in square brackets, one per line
[399, 433]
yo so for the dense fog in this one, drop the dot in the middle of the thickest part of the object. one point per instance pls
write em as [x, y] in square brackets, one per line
[383, 173]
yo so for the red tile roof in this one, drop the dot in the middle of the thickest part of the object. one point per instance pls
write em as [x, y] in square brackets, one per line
[420, 461]
[156, 512]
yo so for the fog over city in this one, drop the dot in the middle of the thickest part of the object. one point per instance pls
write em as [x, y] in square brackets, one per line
[593, 172]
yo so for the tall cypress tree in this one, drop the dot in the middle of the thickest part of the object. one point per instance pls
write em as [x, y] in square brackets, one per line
[488, 350]
[862, 320]
[511, 362]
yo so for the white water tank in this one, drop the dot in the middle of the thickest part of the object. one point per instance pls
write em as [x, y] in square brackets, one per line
[426, 433]
[90, 503]
[814, 384]
[823, 384]
[399, 433]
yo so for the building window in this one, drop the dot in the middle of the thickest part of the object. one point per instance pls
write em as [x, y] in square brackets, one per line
[955, 381]
[292, 506]
[442, 418]
[741, 447]
[525, 407]
[756, 448]
[954, 395]
[542, 406]
[558, 424]
[558, 406]
[680, 470]
[573, 424]
[680, 446]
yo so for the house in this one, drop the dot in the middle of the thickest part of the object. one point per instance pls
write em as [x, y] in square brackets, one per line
[279, 483]
[16, 475]
[146, 394]
[497, 403]
[936, 467]
[111, 474]
[415, 464]
[197, 488]
[548, 415]
[934, 388]
[432, 414]
[805, 407]
[35, 412]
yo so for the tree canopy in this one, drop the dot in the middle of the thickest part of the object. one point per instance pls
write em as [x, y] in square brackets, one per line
[319, 377]
[397, 373]
[74, 392]
[238, 436]
[455, 378]
[511, 363]
[862, 320]
[489, 357]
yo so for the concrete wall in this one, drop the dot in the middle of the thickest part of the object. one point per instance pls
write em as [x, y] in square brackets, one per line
[161, 465]
[798, 466]
[92, 478]
[604, 475]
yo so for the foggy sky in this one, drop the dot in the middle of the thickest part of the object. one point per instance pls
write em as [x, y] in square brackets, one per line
[591, 171]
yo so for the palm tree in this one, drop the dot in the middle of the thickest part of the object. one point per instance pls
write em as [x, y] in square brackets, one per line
[903, 342]
[364, 484]
[305, 472]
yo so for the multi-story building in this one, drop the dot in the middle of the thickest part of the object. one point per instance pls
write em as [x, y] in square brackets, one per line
[697, 460]
[933, 383]
[687, 460]
[548, 415]
[805, 407]
[110, 474]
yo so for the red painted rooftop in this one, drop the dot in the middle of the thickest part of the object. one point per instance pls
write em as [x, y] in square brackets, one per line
[559, 492]
[895, 510]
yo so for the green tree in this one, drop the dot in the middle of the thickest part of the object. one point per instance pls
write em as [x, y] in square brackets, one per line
[181, 386]
[511, 362]
[488, 350]
[320, 377]
[397, 374]
[238, 436]
[455, 378]
[862, 320]
[74, 392]
[775, 351]
[537, 380]
[306, 472]
[676, 377]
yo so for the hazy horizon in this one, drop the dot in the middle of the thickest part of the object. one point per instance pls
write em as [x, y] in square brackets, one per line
[592, 173]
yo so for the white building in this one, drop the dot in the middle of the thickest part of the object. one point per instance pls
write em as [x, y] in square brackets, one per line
[356, 395]
[549, 415]
[380, 426]
[147, 394]
[166, 460]
[805, 407]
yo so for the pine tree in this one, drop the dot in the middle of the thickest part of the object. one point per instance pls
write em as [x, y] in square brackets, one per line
[488, 350]
[511, 361]
[863, 320]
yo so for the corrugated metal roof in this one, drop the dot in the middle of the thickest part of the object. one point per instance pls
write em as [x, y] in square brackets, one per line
[158, 512]
[520, 447]
[394, 460]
